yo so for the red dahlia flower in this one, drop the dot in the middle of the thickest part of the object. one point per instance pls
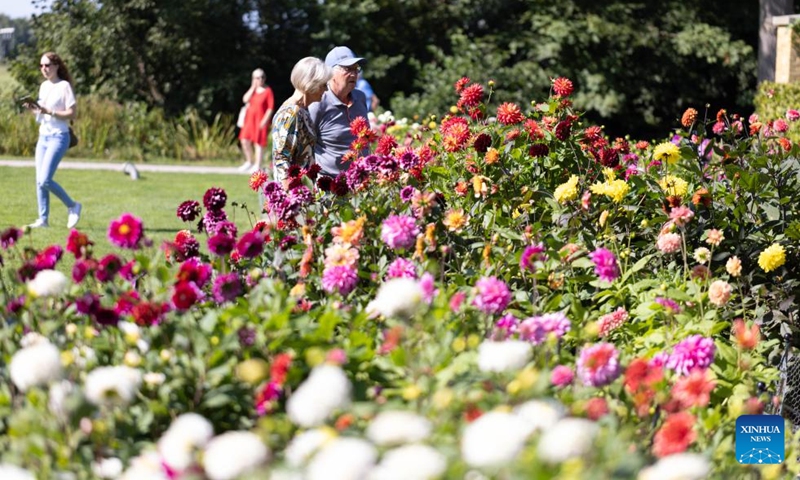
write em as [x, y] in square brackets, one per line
[461, 83]
[471, 96]
[562, 86]
[509, 113]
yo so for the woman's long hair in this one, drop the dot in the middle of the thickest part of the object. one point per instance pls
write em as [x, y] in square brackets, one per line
[63, 72]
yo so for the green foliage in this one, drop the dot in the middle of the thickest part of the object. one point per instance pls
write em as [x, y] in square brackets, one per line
[130, 131]
[774, 99]
[637, 66]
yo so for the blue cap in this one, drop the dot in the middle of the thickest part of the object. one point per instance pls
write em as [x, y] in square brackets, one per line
[341, 56]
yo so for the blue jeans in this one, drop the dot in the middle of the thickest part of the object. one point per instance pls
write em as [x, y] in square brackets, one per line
[50, 149]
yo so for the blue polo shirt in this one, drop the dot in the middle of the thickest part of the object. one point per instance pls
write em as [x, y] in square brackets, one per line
[331, 119]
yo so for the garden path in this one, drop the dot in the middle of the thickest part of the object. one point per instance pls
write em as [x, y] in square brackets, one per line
[120, 167]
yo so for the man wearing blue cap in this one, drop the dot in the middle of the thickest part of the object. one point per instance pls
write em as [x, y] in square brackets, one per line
[332, 115]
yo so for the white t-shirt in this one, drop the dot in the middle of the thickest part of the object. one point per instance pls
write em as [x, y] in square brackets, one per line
[54, 97]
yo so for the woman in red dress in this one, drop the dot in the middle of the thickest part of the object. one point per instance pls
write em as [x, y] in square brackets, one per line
[253, 136]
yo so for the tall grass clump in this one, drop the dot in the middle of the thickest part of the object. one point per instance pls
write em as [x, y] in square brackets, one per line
[129, 131]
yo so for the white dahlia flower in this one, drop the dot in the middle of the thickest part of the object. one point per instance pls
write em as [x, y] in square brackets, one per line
[112, 385]
[398, 297]
[147, 466]
[570, 437]
[495, 438]
[540, 414]
[305, 444]
[507, 355]
[47, 283]
[233, 453]
[36, 365]
[107, 467]
[326, 389]
[398, 427]
[410, 462]
[342, 459]
[680, 466]
[57, 397]
[13, 472]
[187, 434]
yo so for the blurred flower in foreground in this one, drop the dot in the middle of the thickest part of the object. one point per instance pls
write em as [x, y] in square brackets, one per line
[47, 283]
[232, 454]
[35, 365]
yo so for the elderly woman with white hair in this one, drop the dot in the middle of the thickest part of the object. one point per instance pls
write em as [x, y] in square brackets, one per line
[293, 134]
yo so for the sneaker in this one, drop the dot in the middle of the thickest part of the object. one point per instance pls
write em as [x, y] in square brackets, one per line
[252, 170]
[245, 167]
[39, 223]
[74, 215]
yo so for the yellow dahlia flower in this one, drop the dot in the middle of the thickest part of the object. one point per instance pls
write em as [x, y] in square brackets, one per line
[567, 191]
[673, 185]
[615, 189]
[667, 152]
[771, 258]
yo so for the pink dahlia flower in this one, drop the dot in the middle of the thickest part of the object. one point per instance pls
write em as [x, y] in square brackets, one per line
[598, 364]
[493, 296]
[693, 352]
[537, 329]
[399, 231]
[562, 376]
[402, 268]
[340, 278]
[126, 231]
[605, 264]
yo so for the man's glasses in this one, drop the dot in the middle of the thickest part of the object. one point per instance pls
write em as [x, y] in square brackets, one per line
[351, 69]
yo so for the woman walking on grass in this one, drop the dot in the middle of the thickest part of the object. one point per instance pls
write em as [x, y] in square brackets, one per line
[54, 108]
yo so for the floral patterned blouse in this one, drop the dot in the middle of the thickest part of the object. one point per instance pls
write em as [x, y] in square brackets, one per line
[292, 139]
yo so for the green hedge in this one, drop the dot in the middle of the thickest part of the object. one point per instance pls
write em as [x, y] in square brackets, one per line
[114, 131]
[772, 101]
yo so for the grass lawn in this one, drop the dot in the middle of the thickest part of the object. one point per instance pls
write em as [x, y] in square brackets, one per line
[105, 195]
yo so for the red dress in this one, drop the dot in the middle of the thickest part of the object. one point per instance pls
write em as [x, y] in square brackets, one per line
[258, 106]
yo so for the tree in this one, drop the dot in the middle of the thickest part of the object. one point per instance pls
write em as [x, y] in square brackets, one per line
[636, 65]
[170, 53]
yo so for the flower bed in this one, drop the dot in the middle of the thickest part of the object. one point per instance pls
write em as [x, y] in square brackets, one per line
[517, 296]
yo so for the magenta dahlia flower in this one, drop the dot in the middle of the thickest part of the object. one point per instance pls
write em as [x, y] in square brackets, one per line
[215, 198]
[185, 295]
[193, 270]
[250, 245]
[126, 231]
[221, 244]
[530, 255]
[227, 288]
[693, 352]
[492, 295]
[399, 231]
[605, 264]
[598, 364]
[504, 327]
[339, 278]
[188, 211]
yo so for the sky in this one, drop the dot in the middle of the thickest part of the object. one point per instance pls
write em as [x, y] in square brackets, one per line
[18, 8]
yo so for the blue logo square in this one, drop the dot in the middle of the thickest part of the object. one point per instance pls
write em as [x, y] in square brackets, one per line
[760, 439]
